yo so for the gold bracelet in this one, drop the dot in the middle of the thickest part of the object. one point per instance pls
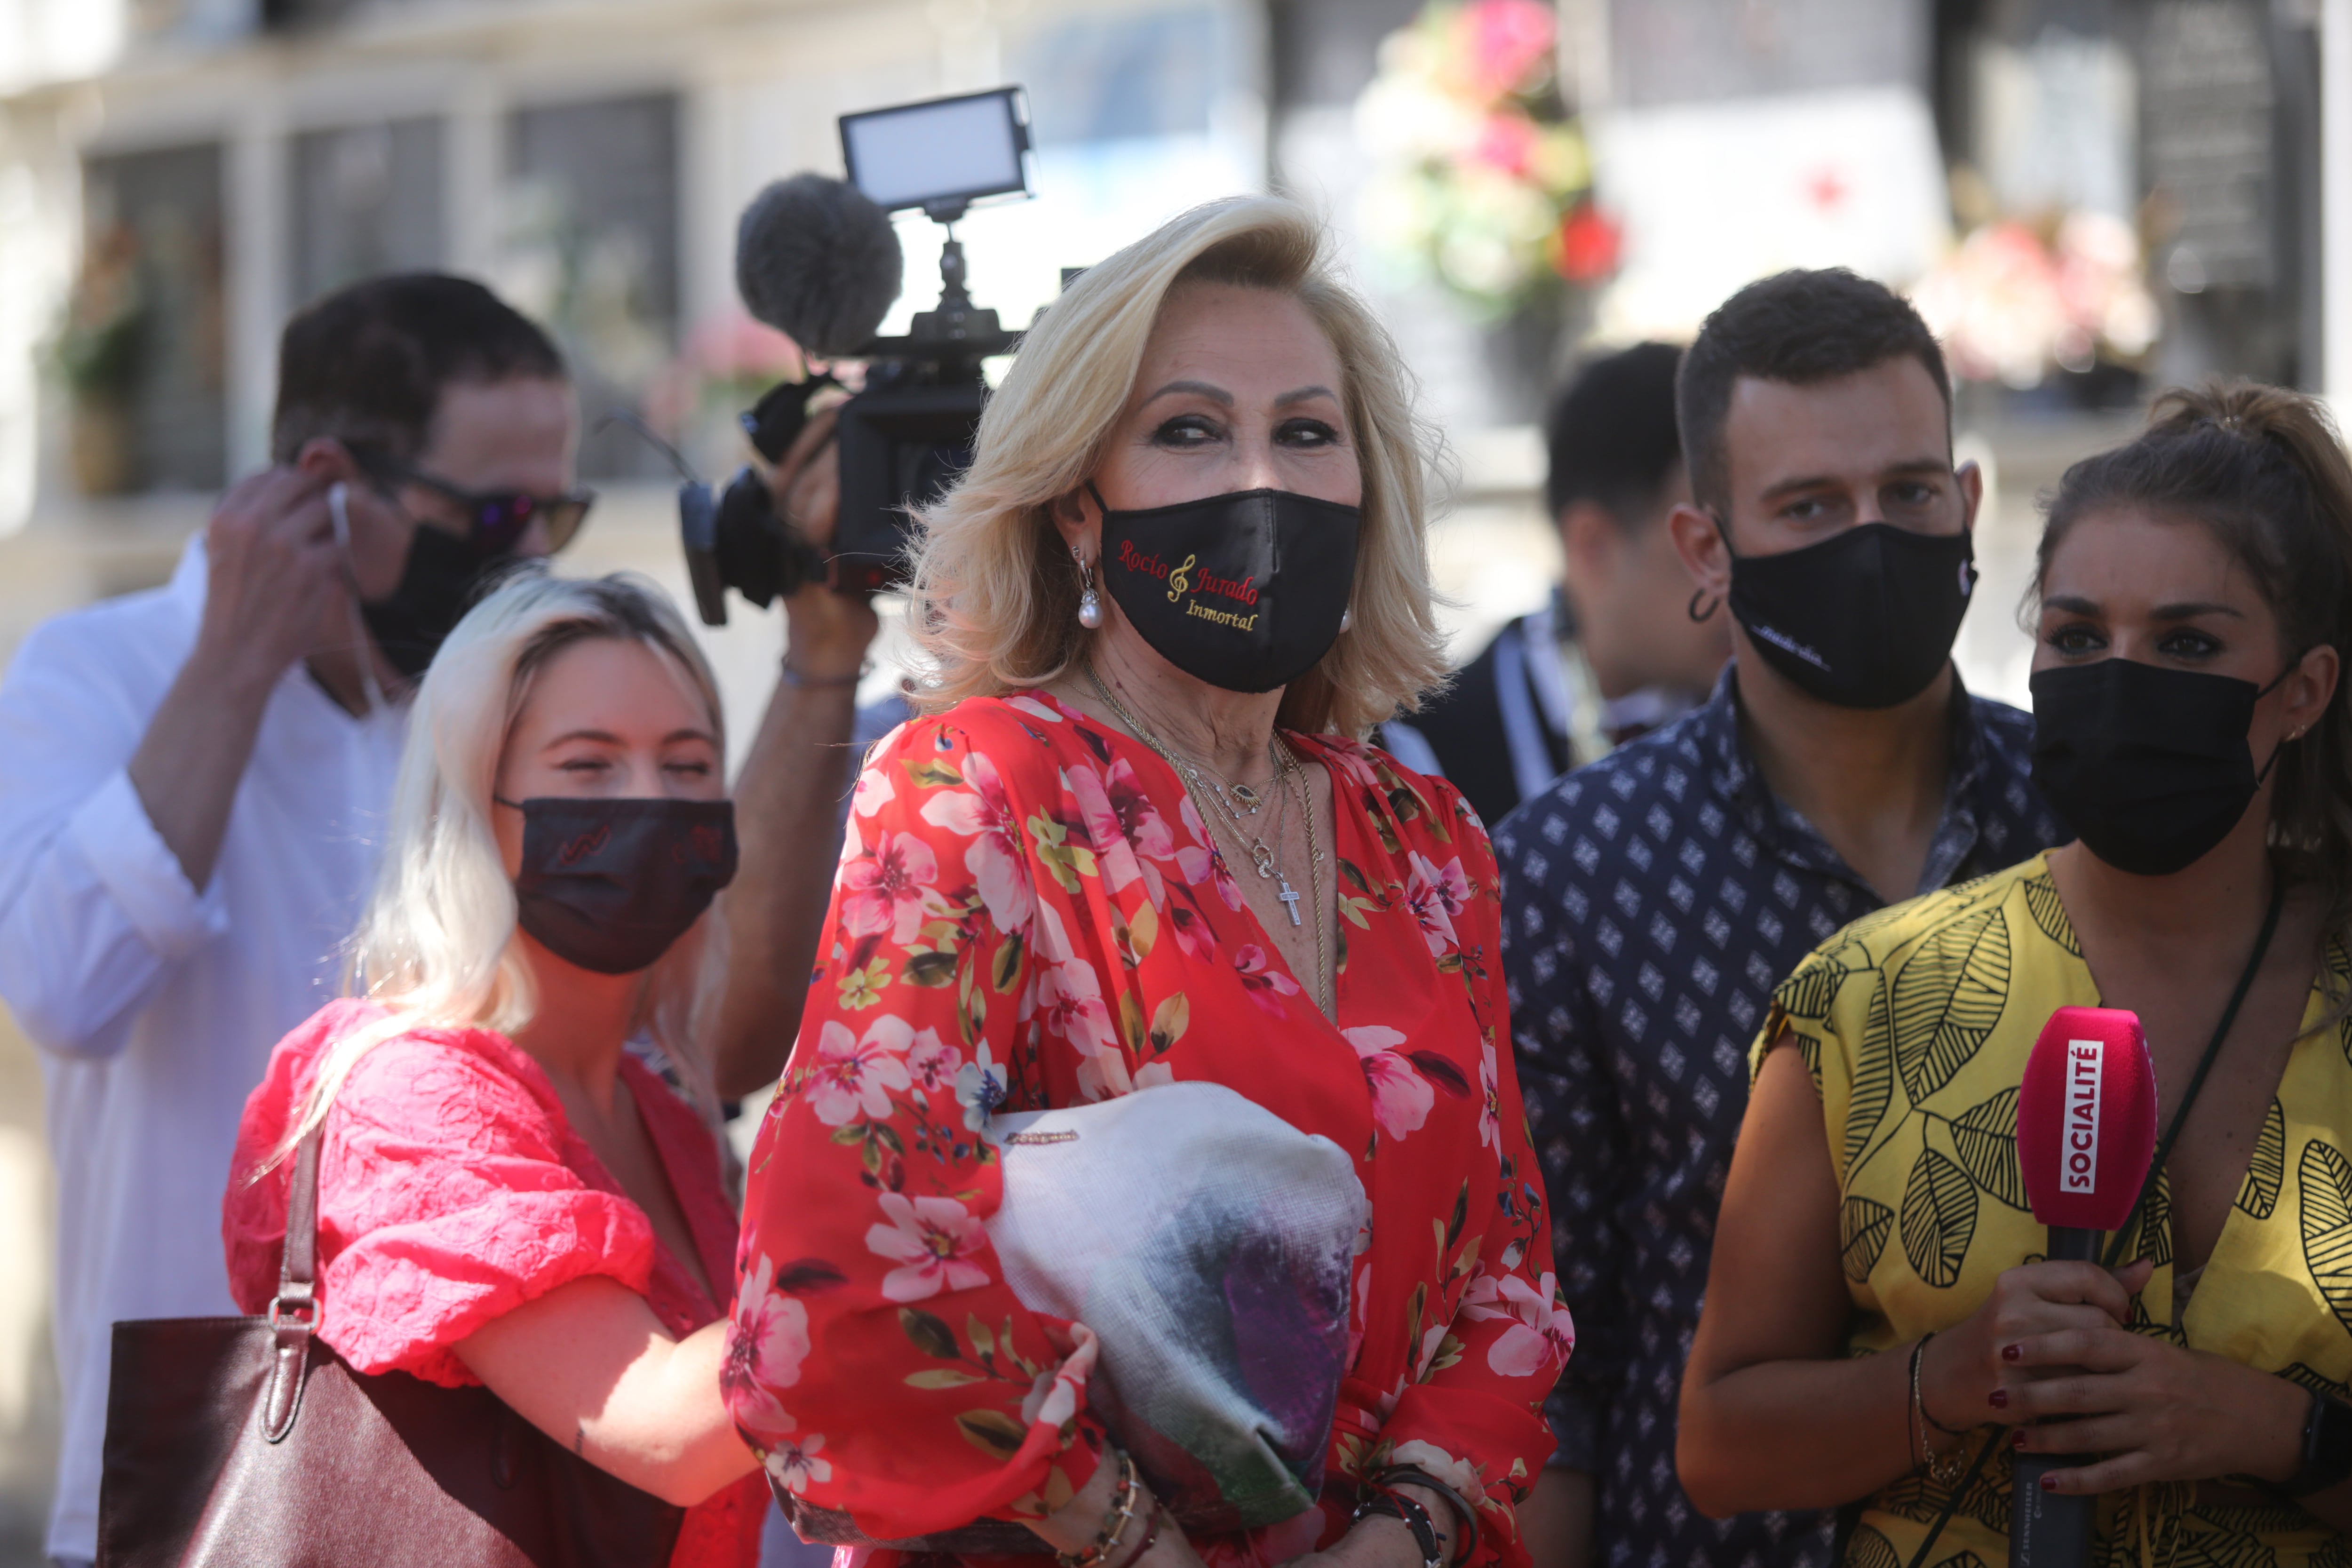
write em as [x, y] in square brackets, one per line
[1120, 1515]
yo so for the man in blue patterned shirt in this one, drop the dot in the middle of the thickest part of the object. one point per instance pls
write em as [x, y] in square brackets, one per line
[1653, 899]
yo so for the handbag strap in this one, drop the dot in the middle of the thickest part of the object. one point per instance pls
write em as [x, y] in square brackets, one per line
[297, 1291]
[294, 1313]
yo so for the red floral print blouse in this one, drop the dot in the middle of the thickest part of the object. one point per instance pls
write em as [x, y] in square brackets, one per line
[1030, 913]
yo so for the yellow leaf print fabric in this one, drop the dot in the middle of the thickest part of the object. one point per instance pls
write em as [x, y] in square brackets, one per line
[1916, 1023]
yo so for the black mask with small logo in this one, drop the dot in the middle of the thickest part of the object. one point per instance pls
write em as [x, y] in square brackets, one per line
[2150, 766]
[1243, 590]
[610, 884]
[1864, 619]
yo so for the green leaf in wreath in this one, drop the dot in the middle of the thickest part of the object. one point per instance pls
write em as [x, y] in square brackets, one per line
[942, 1377]
[1948, 998]
[992, 1432]
[1862, 1236]
[930, 1334]
[1938, 1219]
[1985, 1137]
[2042, 903]
[1873, 1076]
[2266, 1171]
[2323, 1187]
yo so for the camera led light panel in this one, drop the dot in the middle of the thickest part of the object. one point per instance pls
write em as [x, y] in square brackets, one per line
[945, 152]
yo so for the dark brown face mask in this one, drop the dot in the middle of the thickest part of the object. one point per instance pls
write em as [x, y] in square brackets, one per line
[610, 884]
[1245, 591]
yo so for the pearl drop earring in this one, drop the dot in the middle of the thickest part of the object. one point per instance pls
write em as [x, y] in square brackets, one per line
[1089, 605]
[1347, 617]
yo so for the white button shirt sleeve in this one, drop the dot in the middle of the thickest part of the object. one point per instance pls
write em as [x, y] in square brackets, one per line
[94, 908]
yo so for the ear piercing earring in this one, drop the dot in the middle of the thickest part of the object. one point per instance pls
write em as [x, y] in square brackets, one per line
[1090, 603]
[1347, 617]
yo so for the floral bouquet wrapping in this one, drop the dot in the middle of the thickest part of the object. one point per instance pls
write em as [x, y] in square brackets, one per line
[1205, 1243]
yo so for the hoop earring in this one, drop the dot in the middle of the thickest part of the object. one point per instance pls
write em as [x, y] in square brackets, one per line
[1090, 603]
[1694, 613]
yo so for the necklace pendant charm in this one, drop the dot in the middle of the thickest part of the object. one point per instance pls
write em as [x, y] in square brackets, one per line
[1249, 798]
[1289, 897]
[1262, 859]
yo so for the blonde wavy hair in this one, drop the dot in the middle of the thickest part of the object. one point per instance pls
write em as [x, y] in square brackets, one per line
[437, 944]
[995, 593]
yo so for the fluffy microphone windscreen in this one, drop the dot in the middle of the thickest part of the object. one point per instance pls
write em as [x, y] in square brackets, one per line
[2087, 1118]
[819, 262]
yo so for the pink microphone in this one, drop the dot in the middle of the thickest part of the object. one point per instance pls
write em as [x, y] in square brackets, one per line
[2086, 1124]
[2086, 1136]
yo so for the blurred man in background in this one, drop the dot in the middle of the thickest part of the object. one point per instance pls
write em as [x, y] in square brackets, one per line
[192, 781]
[1653, 901]
[1613, 654]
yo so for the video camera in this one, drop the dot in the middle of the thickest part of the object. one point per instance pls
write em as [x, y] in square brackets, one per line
[818, 260]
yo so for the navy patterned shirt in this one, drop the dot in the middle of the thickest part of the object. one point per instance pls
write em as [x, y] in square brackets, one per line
[1651, 901]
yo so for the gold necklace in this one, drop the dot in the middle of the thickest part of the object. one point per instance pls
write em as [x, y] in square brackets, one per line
[1262, 856]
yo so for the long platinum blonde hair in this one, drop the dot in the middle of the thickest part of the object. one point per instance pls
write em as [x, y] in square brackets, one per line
[436, 945]
[995, 592]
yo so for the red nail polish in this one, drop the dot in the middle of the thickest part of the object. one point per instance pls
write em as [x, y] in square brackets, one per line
[1999, 1398]
[2010, 1352]
[2017, 1438]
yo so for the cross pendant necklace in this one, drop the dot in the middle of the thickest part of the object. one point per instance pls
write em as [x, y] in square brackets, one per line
[1289, 897]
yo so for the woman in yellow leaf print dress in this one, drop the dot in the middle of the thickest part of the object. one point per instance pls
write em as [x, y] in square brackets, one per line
[1881, 1330]
[1135, 847]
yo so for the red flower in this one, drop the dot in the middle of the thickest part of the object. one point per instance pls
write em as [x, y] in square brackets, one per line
[1590, 244]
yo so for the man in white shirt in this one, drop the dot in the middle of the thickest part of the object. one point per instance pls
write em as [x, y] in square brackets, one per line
[192, 781]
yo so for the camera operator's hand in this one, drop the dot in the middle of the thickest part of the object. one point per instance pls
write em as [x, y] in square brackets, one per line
[273, 573]
[788, 798]
[825, 634]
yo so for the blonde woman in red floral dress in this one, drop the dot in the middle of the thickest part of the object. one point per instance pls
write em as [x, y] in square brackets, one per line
[1133, 846]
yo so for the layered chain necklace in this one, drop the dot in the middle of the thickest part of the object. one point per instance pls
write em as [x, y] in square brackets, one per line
[1231, 803]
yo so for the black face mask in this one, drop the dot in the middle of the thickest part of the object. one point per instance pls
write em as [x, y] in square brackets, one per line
[1864, 619]
[609, 884]
[2150, 766]
[436, 587]
[1243, 590]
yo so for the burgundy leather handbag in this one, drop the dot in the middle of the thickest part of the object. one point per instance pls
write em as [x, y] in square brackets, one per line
[248, 1441]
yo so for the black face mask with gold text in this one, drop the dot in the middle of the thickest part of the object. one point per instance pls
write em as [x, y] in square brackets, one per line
[1243, 590]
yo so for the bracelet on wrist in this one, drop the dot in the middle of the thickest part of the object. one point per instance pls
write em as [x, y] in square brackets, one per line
[1159, 1516]
[2327, 1457]
[1121, 1514]
[1396, 1505]
[794, 678]
[1943, 1468]
[1413, 1475]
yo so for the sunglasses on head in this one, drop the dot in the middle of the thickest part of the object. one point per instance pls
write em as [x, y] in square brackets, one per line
[496, 521]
